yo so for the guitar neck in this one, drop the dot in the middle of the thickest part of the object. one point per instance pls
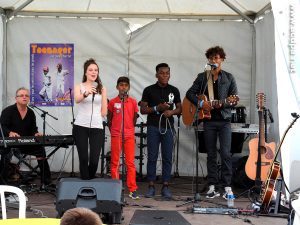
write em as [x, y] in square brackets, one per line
[262, 141]
[215, 102]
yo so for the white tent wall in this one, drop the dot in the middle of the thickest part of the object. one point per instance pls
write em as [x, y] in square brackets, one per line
[181, 44]
[104, 40]
[1, 58]
[265, 79]
[287, 36]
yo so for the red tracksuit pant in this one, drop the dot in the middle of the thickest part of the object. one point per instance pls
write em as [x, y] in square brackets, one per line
[129, 146]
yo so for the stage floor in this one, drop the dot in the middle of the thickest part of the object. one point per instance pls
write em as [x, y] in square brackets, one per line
[41, 204]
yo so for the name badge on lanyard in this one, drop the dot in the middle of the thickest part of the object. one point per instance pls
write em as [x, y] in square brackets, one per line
[118, 106]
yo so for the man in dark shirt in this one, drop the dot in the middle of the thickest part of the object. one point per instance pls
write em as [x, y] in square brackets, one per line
[18, 120]
[160, 101]
[223, 86]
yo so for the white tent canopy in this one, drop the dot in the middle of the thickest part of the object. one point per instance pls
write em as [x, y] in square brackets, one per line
[143, 8]
[106, 30]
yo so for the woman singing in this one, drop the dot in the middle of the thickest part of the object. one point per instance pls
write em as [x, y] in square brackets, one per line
[91, 98]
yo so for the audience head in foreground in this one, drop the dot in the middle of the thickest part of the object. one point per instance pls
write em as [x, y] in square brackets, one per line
[80, 216]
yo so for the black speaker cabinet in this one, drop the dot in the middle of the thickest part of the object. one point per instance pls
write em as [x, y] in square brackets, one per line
[103, 196]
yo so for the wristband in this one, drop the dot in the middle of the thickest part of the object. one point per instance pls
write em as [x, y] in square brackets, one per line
[201, 103]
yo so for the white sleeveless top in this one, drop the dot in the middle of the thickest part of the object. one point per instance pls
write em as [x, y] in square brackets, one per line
[83, 117]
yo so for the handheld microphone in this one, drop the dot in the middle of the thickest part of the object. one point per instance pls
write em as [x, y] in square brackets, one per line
[123, 94]
[295, 115]
[213, 65]
[95, 85]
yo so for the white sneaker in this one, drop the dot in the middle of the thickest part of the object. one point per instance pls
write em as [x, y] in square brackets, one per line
[212, 192]
[227, 191]
[13, 198]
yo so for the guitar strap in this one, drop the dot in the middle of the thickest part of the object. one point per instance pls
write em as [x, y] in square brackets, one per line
[210, 85]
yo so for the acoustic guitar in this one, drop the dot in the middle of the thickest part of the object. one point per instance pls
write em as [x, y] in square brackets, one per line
[261, 154]
[269, 186]
[189, 109]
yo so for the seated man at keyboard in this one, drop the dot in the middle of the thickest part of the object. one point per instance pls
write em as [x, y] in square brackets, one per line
[18, 120]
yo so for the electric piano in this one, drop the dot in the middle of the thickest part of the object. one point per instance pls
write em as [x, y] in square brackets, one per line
[48, 140]
[239, 128]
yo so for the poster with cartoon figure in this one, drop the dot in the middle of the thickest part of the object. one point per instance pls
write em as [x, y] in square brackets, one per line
[51, 74]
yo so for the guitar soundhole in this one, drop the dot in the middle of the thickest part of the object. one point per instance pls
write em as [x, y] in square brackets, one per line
[269, 154]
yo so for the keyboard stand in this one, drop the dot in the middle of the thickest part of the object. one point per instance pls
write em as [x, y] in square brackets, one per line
[61, 145]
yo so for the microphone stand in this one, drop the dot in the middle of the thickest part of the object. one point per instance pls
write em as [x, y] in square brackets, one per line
[43, 115]
[197, 194]
[3, 156]
[72, 174]
[195, 122]
[176, 173]
[3, 137]
[265, 124]
[122, 96]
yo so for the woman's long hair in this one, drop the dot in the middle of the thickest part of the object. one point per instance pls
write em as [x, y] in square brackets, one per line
[84, 78]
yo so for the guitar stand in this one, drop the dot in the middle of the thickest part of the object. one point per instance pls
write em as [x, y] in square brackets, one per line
[253, 191]
[277, 209]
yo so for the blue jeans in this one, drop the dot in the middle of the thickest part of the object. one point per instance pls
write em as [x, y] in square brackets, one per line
[212, 130]
[154, 138]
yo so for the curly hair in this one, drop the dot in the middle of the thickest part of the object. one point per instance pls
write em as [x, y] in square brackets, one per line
[217, 50]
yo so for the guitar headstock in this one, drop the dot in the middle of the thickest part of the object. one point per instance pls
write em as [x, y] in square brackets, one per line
[261, 99]
[233, 99]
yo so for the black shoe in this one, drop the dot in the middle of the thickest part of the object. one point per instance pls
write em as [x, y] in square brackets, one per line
[48, 187]
[151, 192]
[166, 193]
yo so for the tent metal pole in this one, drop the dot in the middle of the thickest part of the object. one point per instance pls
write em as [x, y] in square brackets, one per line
[13, 13]
[263, 10]
[130, 15]
[4, 62]
[238, 11]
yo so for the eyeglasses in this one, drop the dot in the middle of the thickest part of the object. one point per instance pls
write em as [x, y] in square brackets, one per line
[27, 96]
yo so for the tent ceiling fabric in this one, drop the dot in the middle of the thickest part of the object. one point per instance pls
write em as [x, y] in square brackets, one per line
[153, 7]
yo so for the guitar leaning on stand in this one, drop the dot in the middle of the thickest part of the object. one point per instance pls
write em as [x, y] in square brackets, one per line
[261, 154]
[269, 186]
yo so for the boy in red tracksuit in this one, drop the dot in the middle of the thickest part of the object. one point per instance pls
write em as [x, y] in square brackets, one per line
[115, 126]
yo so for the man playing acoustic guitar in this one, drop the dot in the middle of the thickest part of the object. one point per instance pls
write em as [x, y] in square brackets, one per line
[214, 92]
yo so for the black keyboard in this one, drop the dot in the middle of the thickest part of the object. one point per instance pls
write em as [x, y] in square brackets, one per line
[55, 140]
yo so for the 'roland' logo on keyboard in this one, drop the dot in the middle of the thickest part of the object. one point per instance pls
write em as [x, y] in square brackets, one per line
[26, 140]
